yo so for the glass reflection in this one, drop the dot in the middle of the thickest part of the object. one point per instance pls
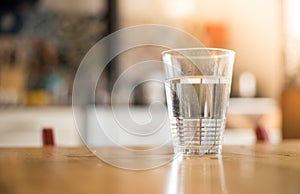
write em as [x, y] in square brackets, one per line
[197, 175]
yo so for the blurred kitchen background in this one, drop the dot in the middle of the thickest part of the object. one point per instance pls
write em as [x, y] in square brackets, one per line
[42, 43]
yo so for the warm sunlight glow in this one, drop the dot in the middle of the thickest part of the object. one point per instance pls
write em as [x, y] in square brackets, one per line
[180, 8]
[293, 18]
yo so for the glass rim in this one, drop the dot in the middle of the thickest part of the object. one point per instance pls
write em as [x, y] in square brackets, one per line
[225, 52]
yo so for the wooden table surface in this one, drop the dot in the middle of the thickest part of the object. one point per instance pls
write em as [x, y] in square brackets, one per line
[261, 168]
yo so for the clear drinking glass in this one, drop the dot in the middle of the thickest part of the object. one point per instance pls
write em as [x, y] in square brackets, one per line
[198, 83]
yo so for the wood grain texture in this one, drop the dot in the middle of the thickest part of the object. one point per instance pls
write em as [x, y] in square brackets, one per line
[261, 168]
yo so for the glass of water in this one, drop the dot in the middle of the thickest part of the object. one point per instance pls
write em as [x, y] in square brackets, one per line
[198, 83]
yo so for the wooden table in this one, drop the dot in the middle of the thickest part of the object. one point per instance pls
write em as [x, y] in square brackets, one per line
[261, 168]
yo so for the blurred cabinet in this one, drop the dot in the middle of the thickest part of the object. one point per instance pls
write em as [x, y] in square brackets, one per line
[291, 113]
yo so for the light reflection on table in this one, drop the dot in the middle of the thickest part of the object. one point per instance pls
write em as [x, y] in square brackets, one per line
[259, 169]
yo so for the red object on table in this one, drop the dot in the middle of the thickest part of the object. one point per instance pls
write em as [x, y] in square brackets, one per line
[48, 137]
[262, 134]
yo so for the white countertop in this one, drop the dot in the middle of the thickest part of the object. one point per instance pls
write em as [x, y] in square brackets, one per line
[21, 126]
